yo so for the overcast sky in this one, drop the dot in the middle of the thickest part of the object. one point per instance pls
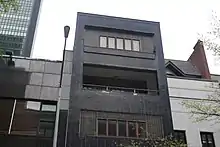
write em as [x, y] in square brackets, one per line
[180, 20]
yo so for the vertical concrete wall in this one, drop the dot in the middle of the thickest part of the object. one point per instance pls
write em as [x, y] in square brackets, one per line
[118, 102]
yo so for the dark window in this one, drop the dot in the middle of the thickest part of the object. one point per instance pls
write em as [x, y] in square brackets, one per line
[112, 128]
[102, 127]
[26, 118]
[180, 135]
[6, 108]
[33, 118]
[110, 79]
[46, 128]
[132, 129]
[47, 120]
[121, 128]
[141, 129]
[207, 139]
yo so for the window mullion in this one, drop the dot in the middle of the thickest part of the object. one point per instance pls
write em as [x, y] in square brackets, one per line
[107, 42]
[97, 129]
[106, 127]
[123, 44]
[127, 129]
[117, 134]
[207, 140]
[137, 131]
[132, 45]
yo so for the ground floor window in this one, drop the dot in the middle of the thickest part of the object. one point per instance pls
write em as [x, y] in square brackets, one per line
[207, 139]
[121, 128]
[25, 117]
[109, 124]
[180, 135]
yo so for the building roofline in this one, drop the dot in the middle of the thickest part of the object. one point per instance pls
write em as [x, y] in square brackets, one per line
[28, 58]
[175, 60]
[114, 17]
[191, 78]
[215, 75]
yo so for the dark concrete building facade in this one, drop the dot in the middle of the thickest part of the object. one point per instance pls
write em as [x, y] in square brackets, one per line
[17, 27]
[118, 82]
[113, 88]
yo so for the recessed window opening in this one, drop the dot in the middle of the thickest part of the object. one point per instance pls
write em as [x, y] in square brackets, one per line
[110, 79]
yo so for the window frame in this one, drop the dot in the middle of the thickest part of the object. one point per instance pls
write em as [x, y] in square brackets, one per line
[180, 132]
[6, 131]
[136, 122]
[128, 39]
[206, 137]
[100, 41]
[40, 111]
[123, 43]
[108, 42]
[139, 42]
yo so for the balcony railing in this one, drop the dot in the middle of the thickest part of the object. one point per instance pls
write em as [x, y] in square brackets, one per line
[135, 91]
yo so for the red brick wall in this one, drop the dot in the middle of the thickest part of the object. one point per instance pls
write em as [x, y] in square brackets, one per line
[198, 59]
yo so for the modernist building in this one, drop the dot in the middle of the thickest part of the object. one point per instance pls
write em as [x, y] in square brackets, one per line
[191, 80]
[17, 27]
[118, 83]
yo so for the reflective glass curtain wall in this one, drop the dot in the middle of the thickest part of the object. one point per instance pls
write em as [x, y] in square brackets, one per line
[15, 26]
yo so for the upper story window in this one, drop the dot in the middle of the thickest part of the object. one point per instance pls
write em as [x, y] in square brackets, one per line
[103, 41]
[111, 42]
[136, 45]
[119, 43]
[207, 139]
[128, 44]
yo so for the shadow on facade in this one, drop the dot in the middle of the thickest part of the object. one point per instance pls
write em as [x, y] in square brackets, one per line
[13, 82]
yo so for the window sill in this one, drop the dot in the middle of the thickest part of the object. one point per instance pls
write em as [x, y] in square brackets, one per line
[113, 137]
[118, 52]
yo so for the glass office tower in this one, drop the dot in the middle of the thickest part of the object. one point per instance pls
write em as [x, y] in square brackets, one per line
[17, 28]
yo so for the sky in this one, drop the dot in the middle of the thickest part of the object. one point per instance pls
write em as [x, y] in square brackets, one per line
[180, 22]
